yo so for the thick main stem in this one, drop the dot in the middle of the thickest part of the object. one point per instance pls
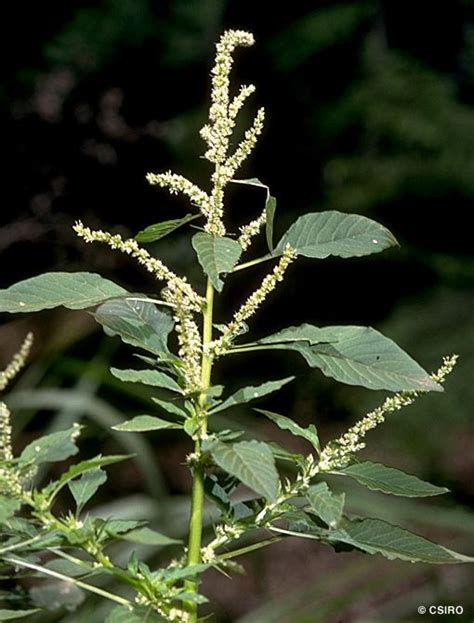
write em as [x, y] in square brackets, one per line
[197, 500]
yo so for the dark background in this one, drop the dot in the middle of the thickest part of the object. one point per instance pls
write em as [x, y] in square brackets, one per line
[370, 109]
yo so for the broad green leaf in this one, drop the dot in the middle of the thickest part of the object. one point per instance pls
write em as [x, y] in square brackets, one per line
[379, 537]
[137, 615]
[305, 333]
[251, 462]
[55, 596]
[139, 323]
[114, 527]
[72, 290]
[286, 423]
[251, 393]
[356, 356]
[170, 407]
[326, 504]
[216, 255]
[147, 536]
[51, 448]
[145, 423]
[8, 507]
[160, 230]
[390, 480]
[9, 615]
[147, 377]
[321, 234]
[91, 464]
[86, 486]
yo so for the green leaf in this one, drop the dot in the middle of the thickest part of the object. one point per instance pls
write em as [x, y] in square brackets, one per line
[145, 423]
[251, 462]
[139, 323]
[270, 207]
[8, 507]
[326, 504]
[160, 230]
[147, 536]
[56, 595]
[170, 407]
[216, 255]
[86, 486]
[91, 464]
[390, 480]
[379, 537]
[147, 377]
[9, 615]
[251, 393]
[51, 448]
[137, 615]
[286, 423]
[72, 290]
[321, 234]
[356, 356]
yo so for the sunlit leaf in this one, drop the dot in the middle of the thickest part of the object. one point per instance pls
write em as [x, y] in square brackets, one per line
[86, 486]
[251, 393]
[356, 356]
[147, 377]
[72, 290]
[326, 504]
[217, 255]
[51, 448]
[285, 423]
[144, 423]
[390, 480]
[321, 234]
[252, 462]
[379, 537]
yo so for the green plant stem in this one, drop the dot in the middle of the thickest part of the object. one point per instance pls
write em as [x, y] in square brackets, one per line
[197, 499]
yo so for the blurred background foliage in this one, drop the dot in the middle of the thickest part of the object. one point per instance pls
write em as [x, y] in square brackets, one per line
[370, 110]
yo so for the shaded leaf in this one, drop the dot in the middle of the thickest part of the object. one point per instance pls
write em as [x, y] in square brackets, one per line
[326, 504]
[139, 323]
[379, 537]
[91, 464]
[86, 486]
[147, 536]
[170, 407]
[147, 377]
[57, 595]
[251, 393]
[144, 423]
[8, 507]
[137, 615]
[51, 448]
[379, 477]
[251, 462]
[286, 423]
[160, 230]
[9, 615]
[356, 356]
[216, 255]
[321, 234]
[72, 290]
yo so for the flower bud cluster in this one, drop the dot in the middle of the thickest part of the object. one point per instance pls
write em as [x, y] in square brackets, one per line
[248, 309]
[17, 363]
